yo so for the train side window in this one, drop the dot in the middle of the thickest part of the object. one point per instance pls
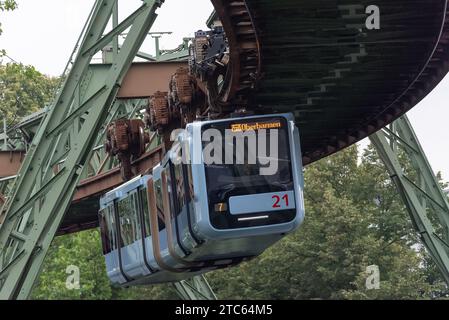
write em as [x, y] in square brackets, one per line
[110, 220]
[187, 173]
[146, 214]
[159, 203]
[129, 223]
[137, 232]
[124, 207]
[191, 191]
[170, 187]
[104, 230]
[180, 188]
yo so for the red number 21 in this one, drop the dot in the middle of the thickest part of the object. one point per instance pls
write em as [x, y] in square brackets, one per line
[277, 199]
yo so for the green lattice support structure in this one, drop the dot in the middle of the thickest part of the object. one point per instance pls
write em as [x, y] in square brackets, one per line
[196, 288]
[68, 146]
[420, 190]
[61, 148]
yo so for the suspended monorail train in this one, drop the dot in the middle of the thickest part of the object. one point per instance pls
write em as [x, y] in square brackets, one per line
[208, 204]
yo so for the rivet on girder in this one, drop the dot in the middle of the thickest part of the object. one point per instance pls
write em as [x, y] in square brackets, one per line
[79, 169]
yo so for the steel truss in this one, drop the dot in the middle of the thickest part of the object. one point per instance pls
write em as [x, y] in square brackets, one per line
[67, 147]
[196, 288]
[405, 160]
[63, 144]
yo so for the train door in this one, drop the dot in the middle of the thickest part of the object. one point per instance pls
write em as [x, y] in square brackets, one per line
[131, 249]
[175, 248]
[177, 214]
[186, 172]
[158, 239]
[147, 245]
[109, 237]
[166, 249]
[183, 206]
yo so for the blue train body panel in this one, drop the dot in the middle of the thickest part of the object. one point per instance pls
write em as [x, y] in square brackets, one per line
[187, 218]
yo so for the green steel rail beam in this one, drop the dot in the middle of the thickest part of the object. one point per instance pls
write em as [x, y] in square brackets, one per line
[420, 190]
[44, 188]
[99, 161]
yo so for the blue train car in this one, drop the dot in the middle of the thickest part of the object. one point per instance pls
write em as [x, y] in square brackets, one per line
[226, 191]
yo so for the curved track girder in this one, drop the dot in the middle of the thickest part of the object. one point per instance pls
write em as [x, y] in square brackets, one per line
[343, 81]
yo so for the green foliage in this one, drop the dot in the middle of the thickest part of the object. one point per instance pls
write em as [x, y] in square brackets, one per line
[23, 90]
[157, 292]
[83, 250]
[6, 5]
[354, 219]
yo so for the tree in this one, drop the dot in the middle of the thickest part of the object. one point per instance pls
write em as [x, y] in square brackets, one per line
[82, 251]
[354, 219]
[23, 90]
[6, 5]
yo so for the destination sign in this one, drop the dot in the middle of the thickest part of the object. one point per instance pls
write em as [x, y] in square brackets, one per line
[239, 127]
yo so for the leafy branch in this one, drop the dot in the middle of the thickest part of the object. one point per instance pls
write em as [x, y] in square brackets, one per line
[6, 5]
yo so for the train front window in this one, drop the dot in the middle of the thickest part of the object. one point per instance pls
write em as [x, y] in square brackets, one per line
[244, 174]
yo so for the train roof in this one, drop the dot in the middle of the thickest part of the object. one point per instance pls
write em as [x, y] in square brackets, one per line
[124, 189]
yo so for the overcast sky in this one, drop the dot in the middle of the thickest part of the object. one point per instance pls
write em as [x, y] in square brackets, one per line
[43, 33]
